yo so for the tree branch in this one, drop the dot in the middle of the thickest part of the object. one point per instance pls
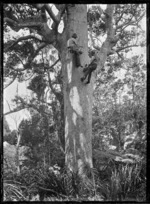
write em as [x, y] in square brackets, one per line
[130, 22]
[13, 24]
[117, 21]
[51, 14]
[124, 24]
[53, 64]
[29, 77]
[14, 110]
[20, 39]
[93, 42]
[109, 20]
[24, 105]
[8, 105]
[50, 84]
[22, 24]
[57, 94]
[32, 56]
[61, 8]
[56, 18]
[122, 48]
[110, 40]
[39, 24]
[18, 70]
[11, 82]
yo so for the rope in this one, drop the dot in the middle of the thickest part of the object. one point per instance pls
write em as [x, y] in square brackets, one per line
[73, 19]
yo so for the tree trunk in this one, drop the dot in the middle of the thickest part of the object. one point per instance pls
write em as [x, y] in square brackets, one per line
[17, 153]
[77, 95]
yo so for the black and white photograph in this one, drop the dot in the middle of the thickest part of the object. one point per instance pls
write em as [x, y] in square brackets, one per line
[74, 102]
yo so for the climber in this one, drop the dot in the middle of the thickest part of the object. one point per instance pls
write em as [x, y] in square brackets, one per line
[74, 48]
[90, 68]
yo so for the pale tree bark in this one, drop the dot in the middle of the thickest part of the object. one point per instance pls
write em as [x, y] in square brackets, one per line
[17, 152]
[77, 96]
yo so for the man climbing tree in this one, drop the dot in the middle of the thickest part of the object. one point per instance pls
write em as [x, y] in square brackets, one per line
[90, 68]
[77, 98]
[74, 48]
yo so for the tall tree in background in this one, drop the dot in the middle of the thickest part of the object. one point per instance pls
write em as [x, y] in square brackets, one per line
[77, 96]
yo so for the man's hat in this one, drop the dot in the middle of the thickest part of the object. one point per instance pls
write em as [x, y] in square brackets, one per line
[92, 52]
[74, 35]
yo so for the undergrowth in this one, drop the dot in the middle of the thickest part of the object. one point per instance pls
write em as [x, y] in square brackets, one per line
[124, 182]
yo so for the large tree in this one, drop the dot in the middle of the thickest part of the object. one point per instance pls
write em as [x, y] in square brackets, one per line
[77, 97]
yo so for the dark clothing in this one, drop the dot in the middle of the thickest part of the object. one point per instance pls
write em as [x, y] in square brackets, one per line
[77, 59]
[74, 48]
[88, 70]
[76, 54]
[92, 66]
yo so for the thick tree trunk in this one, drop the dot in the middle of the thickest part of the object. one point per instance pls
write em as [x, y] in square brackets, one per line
[77, 95]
